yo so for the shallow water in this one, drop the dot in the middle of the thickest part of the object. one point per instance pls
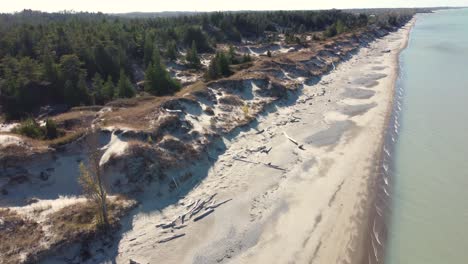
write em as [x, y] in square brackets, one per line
[429, 222]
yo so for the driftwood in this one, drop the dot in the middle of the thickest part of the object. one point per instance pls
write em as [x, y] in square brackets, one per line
[190, 205]
[173, 111]
[217, 205]
[266, 151]
[182, 218]
[211, 198]
[197, 209]
[171, 238]
[294, 141]
[246, 161]
[260, 131]
[274, 166]
[203, 215]
[175, 182]
[199, 206]
[165, 226]
[265, 164]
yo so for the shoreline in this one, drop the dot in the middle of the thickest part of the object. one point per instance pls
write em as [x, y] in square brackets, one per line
[291, 186]
[317, 209]
[376, 214]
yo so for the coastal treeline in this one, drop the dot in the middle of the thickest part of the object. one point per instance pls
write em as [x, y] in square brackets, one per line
[73, 59]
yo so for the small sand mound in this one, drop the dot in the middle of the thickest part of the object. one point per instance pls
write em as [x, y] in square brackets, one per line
[8, 140]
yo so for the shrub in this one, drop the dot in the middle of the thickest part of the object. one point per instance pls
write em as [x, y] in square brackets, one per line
[30, 128]
[51, 130]
[245, 109]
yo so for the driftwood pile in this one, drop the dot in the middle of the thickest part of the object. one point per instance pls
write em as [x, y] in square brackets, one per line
[196, 211]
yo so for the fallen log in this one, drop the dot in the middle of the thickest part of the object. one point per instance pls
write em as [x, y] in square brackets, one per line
[165, 226]
[171, 238]
[200, 217]
[260, 131]
[294, 141]
[246, 161]
[197, 209]
[266, 151]
[274, 166]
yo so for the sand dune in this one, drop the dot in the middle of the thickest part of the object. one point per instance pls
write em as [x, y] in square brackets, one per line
[292, 187]
[301, 199]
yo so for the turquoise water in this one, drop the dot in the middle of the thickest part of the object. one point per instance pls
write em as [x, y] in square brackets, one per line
[429, 222]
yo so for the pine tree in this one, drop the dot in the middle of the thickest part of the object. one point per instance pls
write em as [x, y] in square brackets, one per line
[219, 66]
[192, 56]
[108, 89]
[171, 52]
[232, 55]
[223, 62]
[150, 79]
[148, 50]
[124, 86]
[98, 85]
[246, 58]
[157, 78]
[82, 92]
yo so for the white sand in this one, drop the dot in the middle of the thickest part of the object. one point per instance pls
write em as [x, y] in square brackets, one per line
[6, 140]
[8, 127]
[312, 212]
[116, 147]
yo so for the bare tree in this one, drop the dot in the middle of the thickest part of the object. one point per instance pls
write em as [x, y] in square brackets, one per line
[92, 182]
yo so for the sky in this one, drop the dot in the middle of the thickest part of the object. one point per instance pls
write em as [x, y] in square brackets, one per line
[120, 6]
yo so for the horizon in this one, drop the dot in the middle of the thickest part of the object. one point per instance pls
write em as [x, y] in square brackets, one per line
[148, 6]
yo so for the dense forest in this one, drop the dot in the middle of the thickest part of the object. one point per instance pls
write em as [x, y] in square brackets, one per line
[73, 59]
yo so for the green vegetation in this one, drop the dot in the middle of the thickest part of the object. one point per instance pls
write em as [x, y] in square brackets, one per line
[192, 57]
[157, 78]
[30, 128]
[219, 67]
[76, 59]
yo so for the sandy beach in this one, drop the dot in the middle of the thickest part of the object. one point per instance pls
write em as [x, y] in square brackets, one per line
[293, 187]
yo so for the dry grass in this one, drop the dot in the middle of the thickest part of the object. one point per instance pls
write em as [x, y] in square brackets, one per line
[135, 117]
[66, 139]
[79, 220]
[17, 235]
[193, 88]
[74, 115]
[231, 100]
[23, 240]
[131, 102]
